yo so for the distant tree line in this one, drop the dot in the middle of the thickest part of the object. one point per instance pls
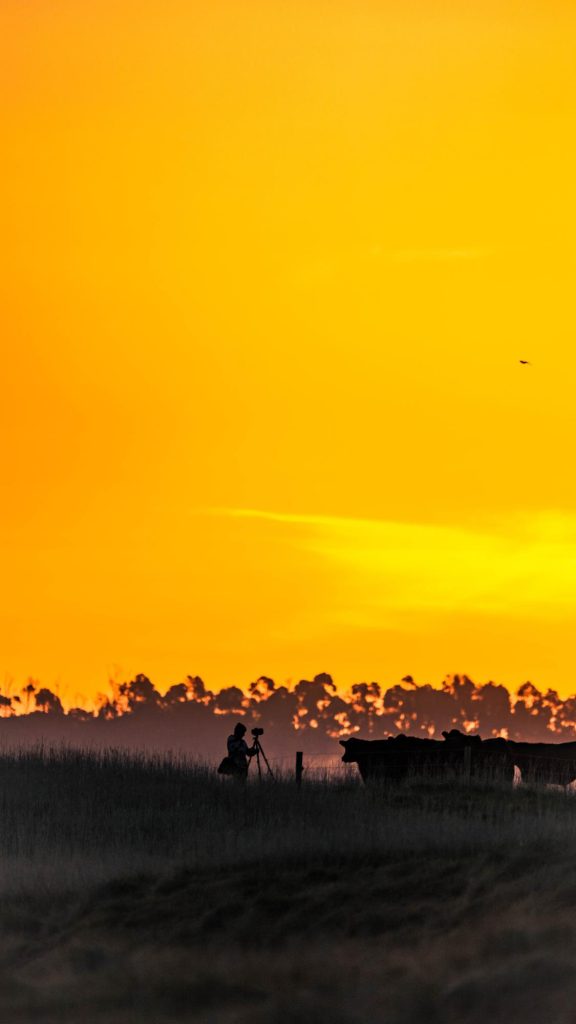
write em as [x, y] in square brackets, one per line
[311, 715]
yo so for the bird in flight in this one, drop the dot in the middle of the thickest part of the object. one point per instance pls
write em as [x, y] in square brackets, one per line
[524, 362]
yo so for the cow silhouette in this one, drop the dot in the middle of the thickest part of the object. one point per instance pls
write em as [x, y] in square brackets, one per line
[545, 763]
[394, 759]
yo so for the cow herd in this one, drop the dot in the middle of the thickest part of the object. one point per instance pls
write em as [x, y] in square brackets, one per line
[394, 759]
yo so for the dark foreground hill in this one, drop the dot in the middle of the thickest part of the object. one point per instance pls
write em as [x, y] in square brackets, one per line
[457, 939]
[136, 891]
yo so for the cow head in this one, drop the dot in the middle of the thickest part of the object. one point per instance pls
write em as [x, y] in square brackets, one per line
[352, 749]
[458, 739]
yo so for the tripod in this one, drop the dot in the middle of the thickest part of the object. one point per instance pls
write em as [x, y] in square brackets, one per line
[260, 754]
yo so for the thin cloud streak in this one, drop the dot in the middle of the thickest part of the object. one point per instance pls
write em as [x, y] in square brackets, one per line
[382, 568]
[289, 517]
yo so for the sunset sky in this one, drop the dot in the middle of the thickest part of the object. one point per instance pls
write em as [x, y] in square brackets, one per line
[268, 269]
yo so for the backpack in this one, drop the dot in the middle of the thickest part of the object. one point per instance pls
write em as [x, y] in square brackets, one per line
[227, 767]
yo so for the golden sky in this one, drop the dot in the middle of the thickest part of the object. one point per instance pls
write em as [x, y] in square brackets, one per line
[267, 272]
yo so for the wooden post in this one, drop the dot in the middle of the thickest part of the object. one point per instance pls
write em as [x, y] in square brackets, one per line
[299, 767]
[467, 762]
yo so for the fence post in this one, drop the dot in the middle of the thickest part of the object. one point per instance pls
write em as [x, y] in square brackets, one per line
[299, 767]
[467, 762]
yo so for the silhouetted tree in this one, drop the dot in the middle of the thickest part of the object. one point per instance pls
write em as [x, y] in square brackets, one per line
[48, 702]
[28, 692]
[231, 699]
[262, 688]
[177, 694]
[139, 692]
[311, 715]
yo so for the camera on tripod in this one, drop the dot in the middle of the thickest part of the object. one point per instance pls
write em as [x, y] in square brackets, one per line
[259, 752]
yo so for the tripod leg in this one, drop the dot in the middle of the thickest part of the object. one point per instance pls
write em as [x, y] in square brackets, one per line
[270, 772]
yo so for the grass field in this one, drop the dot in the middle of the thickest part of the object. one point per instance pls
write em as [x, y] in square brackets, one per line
[150, 890]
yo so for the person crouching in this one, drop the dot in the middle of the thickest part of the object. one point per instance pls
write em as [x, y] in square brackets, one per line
[239, 752]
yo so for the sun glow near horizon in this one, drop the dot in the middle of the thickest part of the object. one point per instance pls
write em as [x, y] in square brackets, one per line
[287, 258]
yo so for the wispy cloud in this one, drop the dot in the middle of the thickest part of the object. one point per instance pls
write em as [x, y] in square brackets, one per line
[287, 517]
[381, 568]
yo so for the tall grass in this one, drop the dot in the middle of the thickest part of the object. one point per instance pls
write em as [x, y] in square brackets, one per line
[137, 889]
[69, 818]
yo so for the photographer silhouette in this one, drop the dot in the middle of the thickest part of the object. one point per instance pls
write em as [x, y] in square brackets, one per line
[239, 753]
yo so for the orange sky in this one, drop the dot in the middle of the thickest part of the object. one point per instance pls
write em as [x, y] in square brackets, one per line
[268, 269]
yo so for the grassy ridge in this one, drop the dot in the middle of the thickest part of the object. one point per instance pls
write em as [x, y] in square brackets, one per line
[79, 816]
[136, 890]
